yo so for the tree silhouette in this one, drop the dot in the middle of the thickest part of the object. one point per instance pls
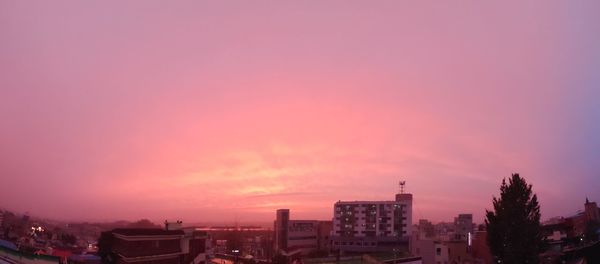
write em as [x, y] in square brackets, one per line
[105, 243]
[514, 230]
[143, 223]
[591, 231]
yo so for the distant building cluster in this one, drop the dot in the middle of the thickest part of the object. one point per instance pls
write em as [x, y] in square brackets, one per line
[448, 242]
[370, 232]
[462, 241]
[27, 240]
[568, 236]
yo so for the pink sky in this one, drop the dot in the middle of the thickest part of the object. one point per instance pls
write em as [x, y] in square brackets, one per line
[223, 111]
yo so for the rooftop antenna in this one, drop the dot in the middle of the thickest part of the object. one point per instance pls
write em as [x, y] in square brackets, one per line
[402, 184]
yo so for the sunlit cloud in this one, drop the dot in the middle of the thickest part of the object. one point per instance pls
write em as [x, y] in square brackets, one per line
[205, 113]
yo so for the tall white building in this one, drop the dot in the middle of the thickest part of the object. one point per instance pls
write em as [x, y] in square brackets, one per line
[371, 226]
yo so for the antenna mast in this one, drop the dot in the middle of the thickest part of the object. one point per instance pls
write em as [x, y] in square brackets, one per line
[402, 184]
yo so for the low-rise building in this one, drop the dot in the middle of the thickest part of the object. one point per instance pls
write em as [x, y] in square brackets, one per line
[458, 251]
[425, 247]
[156, 246]
[301, 236]
[479, 248]
[10, 254]
[425, 229]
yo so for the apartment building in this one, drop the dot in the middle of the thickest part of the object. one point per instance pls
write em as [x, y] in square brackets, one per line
[372, 226]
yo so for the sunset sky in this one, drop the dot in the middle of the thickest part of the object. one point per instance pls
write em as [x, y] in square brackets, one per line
[229, 110]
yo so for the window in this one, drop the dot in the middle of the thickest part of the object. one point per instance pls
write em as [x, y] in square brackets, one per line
[438, 251]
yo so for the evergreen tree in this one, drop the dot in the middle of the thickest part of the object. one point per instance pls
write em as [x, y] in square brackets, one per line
[514, 230]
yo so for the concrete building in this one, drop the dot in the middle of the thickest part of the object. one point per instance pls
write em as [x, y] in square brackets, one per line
[301, 236]
[479, 249]
[577, 223]
[463, 227]
[281, 229]
[156, 246]
[450, 243]
[372, 226]
[458, 251]
[556, 232]
[445, 231]
[592, 213]
[324, 236]
[423, 247]
[441, 253]
[425, 229]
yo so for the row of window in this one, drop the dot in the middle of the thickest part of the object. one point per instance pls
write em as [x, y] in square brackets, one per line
[301, 229]
[367, 233]
[302, 238]
[359, 243]
[371, 213]
[368, 206]
[381, 219]
[370, 225]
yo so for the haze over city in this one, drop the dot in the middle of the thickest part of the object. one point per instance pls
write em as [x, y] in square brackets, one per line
[217, 111]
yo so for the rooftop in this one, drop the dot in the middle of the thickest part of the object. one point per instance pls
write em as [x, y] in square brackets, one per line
[146, 232]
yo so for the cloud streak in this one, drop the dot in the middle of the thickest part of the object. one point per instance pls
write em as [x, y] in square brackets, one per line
[213, 111]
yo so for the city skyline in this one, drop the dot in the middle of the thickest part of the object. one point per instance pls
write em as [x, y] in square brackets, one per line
[222, 112]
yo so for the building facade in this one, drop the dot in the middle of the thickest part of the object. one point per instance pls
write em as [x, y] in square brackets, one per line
[300, 236]
[282, 221]
[372, 226]
[156, 246]
[463, 227]
[591, 211]
[425, 229]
